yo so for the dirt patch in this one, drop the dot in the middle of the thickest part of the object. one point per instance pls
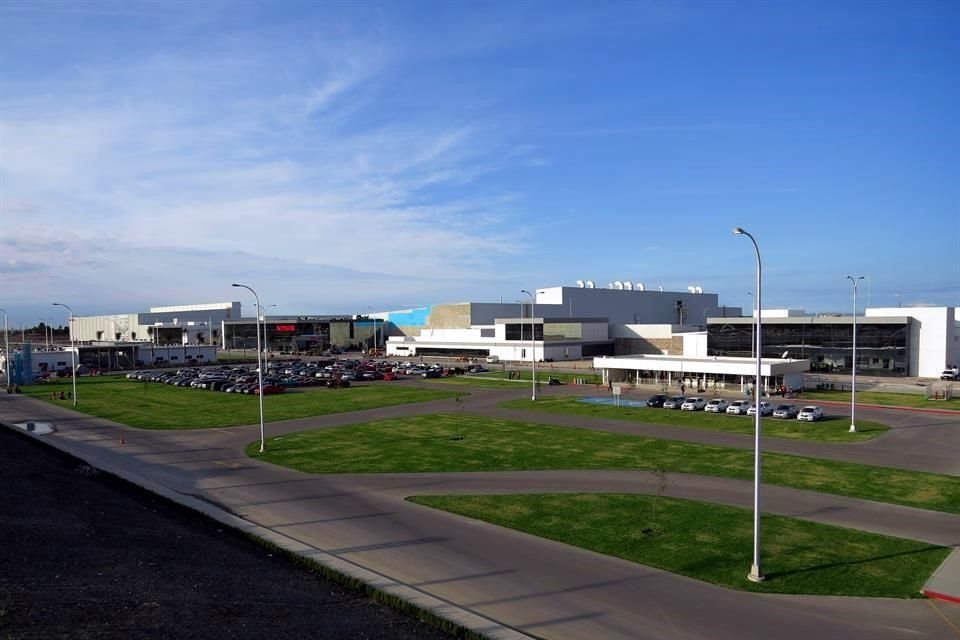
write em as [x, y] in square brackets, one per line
[86, 555]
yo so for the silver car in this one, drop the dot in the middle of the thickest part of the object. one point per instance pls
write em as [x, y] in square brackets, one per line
[785, 411]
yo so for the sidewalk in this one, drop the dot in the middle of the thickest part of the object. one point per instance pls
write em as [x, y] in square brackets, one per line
[944, 584]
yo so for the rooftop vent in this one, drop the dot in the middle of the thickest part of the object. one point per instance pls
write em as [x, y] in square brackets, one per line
[590, 284]
[580, 283]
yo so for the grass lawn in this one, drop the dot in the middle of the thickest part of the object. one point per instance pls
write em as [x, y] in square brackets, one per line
[886, 399]
[149, 405]
[429, 443]
[830, 429]
[714, 543]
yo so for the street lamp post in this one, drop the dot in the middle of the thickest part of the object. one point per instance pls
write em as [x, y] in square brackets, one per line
[73, 351]
[259, 360]
[756, 574]
[263, 309]
[853, 369]
[533, 343]
[753, 320]
[6, 349]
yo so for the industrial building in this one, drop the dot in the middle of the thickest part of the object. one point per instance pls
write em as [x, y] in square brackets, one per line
[554, 324]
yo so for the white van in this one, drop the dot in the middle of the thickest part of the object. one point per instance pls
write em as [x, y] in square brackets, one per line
[493, 359]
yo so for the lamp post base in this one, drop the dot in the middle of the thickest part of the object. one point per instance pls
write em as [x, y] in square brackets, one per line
[755, 575]
[853, 428]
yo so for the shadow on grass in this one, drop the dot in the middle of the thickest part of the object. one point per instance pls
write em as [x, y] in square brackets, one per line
[783, 574]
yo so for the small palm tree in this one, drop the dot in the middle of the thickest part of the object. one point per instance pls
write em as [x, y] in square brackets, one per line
[117, 335]
[99, 335]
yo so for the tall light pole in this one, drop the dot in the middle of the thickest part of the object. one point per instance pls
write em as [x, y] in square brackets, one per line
[853, 369]
[533, 343]
[756, 574]
[263, 309]
[6, 348]
[73, 351]
[259, 361]
[753, 320]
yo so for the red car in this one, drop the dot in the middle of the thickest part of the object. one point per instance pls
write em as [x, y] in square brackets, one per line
[270, 389]
[390, 376]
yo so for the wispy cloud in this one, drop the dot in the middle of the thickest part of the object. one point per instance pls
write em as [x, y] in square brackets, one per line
[131, 165]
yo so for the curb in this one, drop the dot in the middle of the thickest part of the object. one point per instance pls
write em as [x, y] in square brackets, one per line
[443, 610]
[949, 412]
[941, 596]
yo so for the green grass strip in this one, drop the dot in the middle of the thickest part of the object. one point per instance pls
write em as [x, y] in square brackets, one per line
[498, 378]
[830, 429]
[430, 443]
[714, 543]
[884, 399]
[149, 405]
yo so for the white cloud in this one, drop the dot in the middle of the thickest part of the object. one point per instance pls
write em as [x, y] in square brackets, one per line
[132, 167]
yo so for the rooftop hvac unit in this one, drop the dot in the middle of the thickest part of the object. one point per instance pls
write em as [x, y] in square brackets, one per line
[692, 289]
[609, 285]
[640, 287]
[590, 284]
[618, 285]
[628, 285]
[699, 289]
[580, 283]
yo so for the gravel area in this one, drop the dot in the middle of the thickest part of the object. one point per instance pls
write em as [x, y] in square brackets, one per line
[86, 555]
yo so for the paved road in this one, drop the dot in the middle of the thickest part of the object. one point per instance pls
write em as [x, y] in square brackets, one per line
[540, 587]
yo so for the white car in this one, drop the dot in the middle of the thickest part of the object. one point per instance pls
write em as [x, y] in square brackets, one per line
[717, 405]
[739, 407]
[810, 414]
[674, 403]
[693, 404]
[765, 409]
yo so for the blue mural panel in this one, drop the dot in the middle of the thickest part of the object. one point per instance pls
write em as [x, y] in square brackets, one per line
[412, 318]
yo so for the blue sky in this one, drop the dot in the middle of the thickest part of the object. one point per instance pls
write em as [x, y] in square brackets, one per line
[338, 156]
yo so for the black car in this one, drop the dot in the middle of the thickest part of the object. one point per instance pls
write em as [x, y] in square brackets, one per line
[657, 400]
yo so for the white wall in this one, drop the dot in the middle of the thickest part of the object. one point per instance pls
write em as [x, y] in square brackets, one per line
[695, 344]
[931, 339]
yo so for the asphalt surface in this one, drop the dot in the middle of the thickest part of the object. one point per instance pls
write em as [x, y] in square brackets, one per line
[85, 555]
[541, 588]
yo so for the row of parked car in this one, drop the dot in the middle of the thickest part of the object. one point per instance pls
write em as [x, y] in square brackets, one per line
[737, 407]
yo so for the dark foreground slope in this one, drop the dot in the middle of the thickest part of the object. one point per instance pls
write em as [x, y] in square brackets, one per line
[85, 555]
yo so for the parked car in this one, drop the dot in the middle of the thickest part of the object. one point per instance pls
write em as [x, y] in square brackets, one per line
[810, 414]
[765, 409]
[390, 376]
[493, 359]
[785, 411]
[739, 407]
[270, 389]
[432, 373]
[338, 383]
[674, 403]
[656, 401]
[717, 405]
[693, 404]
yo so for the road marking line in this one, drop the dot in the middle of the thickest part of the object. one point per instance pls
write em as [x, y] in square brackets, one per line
[945, 618]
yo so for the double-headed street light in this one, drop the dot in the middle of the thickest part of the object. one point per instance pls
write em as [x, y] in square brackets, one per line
[73, 351]
[756, 574]
[853, 369]
[533, 344]
[259, 360]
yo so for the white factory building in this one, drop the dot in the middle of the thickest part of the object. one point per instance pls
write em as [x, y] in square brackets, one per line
[172, 325]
